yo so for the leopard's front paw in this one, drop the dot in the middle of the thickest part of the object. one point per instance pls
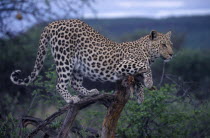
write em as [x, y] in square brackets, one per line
[93, 92]
[73, 99]
[140, 100]
[148, 82]
[140, 96]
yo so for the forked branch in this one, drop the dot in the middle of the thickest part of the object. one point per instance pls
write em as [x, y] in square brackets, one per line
[114, 102]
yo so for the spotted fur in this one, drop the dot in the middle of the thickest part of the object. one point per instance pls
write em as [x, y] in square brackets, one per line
[80, 51]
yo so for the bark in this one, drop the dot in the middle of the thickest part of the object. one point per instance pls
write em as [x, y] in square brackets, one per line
[114, 111]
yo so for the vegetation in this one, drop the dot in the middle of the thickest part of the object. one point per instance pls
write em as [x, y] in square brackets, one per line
[163, 114]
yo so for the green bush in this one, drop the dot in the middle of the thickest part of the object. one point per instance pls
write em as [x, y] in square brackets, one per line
[162, 114]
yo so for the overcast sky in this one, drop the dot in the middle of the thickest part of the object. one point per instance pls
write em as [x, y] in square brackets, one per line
[135, 8]
[148, 8]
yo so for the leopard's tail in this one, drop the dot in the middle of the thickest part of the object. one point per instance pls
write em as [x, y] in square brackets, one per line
[41, 54]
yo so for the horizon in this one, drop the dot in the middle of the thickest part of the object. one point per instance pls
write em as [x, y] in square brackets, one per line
[142, 17]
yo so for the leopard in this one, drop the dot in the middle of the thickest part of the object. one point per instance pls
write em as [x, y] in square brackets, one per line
[79, 52]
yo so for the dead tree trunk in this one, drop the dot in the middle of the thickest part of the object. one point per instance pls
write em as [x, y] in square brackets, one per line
[114, 102]
[122, 95]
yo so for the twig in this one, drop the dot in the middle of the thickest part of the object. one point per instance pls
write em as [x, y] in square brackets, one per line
[31, 104]
[163, 74]
[94, 133]
[47, 121]
[26, 120]
[180, 86]
[25, 113]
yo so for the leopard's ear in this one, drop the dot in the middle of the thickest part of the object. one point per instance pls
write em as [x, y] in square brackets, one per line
[153, 35]
[168, 34]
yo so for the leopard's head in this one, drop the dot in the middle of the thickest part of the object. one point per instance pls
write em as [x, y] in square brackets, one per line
[161, 45]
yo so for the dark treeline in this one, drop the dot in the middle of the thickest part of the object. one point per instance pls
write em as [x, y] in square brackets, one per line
[194, 29]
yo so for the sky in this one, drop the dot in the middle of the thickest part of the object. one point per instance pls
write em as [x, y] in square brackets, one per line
[148, 8]
[131, 8]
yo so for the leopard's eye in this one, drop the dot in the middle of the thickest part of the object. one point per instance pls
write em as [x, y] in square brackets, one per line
[164, 45]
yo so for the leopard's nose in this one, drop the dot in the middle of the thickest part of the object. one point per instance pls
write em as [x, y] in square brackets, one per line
[171, 55]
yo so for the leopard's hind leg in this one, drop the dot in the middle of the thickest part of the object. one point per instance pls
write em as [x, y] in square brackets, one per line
[62, 84]
[76, 84]
[64, 66]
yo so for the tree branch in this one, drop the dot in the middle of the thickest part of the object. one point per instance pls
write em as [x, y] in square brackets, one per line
[74, 109]
[26, 120]
[78, 106]
[114, 102]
